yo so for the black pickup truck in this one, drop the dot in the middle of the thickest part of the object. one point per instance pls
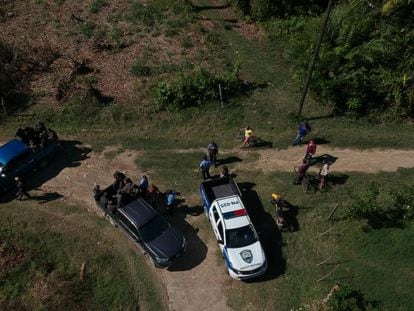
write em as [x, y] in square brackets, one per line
[17, 160]
[143, 225]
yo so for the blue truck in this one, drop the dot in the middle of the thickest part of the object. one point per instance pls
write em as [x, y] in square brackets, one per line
[18, 160]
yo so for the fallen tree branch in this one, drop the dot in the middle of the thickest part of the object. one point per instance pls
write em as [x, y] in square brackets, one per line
[337, 266]
[333, 211]
[321, 263]
[329, 230]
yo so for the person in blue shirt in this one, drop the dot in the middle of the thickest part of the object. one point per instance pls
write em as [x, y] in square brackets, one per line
[170, 201]
[143, 185]
[212, 152]
[205, 168]
[303, 130]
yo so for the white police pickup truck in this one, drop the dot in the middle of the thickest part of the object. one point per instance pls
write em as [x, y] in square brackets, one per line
[234, 231]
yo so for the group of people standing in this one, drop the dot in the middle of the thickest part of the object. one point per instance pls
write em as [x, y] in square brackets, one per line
[311, 147]
[211, 159]
[123, 190]
[276, 201]
[36, 138]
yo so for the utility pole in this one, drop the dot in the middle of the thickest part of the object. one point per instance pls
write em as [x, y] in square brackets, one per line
[315, 56]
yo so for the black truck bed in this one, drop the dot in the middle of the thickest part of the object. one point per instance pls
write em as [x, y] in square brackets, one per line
[219, 188]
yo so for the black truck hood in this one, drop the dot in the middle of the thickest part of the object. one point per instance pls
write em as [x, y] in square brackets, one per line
[168, 244]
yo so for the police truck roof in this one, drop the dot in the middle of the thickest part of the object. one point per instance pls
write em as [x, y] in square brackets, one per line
[234, 213]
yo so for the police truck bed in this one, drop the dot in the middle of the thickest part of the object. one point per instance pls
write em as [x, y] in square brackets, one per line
[219, 188]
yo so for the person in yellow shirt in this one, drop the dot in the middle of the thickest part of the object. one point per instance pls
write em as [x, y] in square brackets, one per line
[248, 134]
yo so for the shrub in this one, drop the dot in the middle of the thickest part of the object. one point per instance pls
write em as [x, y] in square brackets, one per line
[86, 29]
[186, 43]
[140, 69]
[347, 299]
[96, 5]
[383, 205]
[194, 88]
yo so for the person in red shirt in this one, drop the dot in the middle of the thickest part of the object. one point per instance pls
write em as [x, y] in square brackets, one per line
[310, 150]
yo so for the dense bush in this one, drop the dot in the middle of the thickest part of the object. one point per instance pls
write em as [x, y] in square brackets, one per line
[383, 205]
[347, 299]
[366, 61]
[264, 9]
[194, 88]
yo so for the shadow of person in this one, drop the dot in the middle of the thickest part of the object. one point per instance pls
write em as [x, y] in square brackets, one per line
[324, 157]
[47, 197]
[337, 179]
[262, 144]
[269, 233]
[291, 216]
[318, 141]
[228, 160]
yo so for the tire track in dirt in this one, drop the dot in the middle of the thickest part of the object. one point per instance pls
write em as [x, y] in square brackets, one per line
[199, 283]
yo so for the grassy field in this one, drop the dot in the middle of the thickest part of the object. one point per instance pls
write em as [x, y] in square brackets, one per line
[376, 261]
[43, 247]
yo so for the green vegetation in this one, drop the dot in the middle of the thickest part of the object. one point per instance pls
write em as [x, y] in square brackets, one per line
[96, 5]
[43, 247]
[139, 69]
[346, 299]
[366, 59]
[376, 262]
[383, 205]
[194, 88]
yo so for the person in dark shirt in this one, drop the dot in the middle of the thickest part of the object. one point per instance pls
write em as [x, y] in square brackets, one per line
[212, 152]
[21, 191]
[301, 170]
[224, 172]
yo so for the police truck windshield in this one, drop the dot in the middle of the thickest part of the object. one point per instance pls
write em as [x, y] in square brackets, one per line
[240, 237]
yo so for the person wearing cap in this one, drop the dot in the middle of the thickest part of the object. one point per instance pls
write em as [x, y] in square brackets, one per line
[277, 202]
[21, 192]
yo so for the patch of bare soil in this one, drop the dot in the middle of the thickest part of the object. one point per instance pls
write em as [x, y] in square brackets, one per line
[10, 256]
[108, 41]
[346, 160]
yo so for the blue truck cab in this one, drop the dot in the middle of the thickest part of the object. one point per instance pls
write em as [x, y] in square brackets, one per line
[17, 160]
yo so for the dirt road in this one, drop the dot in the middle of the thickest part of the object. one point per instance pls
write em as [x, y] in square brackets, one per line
[197, 282]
